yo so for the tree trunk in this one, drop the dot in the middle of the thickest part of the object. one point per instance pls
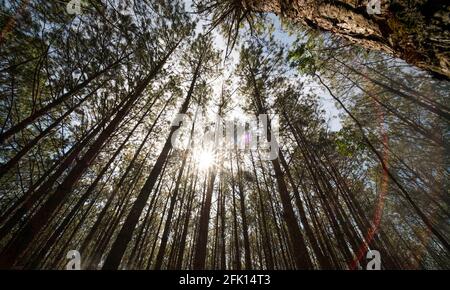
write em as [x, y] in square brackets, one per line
[266, 240]
[126, 232]
[187, 218]
[414, 31]
[69, 217]
[39, 220]
[247, 254]
[15, 160]
[302, 259]
[237, 262]
[323, 262]
[64, 97]
[200, 247]
[36, 194]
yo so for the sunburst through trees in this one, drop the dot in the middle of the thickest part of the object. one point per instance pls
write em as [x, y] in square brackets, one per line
[212, 135]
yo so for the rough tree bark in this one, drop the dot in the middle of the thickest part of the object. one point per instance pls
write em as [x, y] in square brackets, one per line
[413, 30]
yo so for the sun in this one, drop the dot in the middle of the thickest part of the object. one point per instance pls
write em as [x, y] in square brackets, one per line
[205, 159]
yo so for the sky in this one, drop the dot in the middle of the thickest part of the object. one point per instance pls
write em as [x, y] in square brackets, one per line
[326, 101]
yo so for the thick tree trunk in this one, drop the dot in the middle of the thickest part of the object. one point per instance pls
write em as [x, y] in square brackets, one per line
[168, 224]
[201, 245]
[266, 240]
[32, 228]
[118, 249]
[301, 256]
[187, 218]
[248, 258]
[321, 259]
[415, 31]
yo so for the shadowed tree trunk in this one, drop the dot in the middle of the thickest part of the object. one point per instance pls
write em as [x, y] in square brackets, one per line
[181, 250]
[415, 31]
[32, 228]
[60, 229]
[302, 259]
[201, 245]
[15, 160]
[64, 97]
[118, 249]
[248, 259]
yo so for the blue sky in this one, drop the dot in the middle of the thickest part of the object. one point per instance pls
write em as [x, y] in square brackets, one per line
[326, 101]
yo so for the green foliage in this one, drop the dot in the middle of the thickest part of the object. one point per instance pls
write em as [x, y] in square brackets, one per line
[333, 181]
[348, 143]
[302, 59]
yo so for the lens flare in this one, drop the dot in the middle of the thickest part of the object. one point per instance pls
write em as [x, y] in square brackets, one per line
[205, 159]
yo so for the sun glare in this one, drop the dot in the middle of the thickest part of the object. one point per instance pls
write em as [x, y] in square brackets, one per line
[205, 159]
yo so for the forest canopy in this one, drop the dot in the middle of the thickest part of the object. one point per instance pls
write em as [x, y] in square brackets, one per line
[224, 134]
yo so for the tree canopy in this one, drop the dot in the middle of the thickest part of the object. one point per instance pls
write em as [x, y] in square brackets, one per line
[217, 135]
